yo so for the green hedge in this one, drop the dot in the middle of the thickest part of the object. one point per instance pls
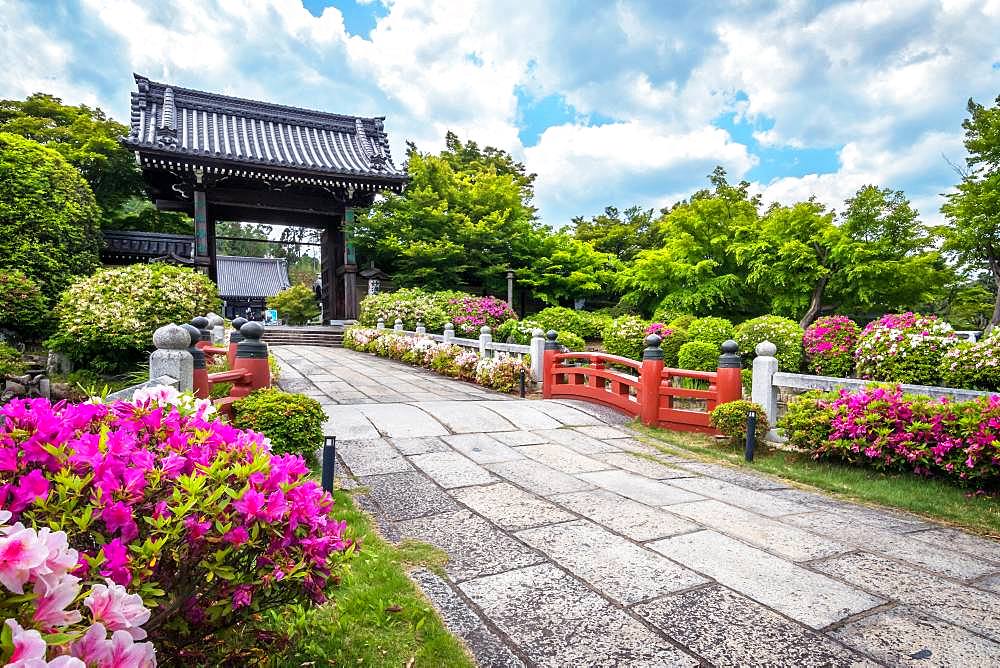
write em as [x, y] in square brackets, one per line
[625, 336]
[698, 356]
[710, 330]
[293, 422]
[585, 324]
[785, 334]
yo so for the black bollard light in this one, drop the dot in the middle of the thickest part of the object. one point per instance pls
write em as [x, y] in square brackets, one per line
[329, 457]
[751, 435]
[522, 383]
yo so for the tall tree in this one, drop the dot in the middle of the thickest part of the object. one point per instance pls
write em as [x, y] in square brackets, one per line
[86, 137]
[972, 237]
[569, 269]
[247, 239]
[620, 233]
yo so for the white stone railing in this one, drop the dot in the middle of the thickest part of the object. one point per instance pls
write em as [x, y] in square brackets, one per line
[768, 384]
[484, 346]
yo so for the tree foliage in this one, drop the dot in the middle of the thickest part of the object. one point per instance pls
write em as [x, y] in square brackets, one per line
[48, 217]
[620, 233]
[296, 305]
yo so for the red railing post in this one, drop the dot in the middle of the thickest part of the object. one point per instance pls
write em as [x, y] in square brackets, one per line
[729, 383]
[234, 338]
[200, 375]
[552, 347]
[251, 356]
[649, 381]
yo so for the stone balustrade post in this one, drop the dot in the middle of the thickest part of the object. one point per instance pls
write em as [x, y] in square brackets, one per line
[449, 332]
[234, 340]
[537, 353]
[420, 329]
[485, 338]
[380, 324]
[217, 327]
[398, 327]
[763, 391]
[171, 357]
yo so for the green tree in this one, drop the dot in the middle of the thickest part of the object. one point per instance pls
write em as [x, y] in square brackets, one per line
[972, 237]
[247, 239]
[694, 268]
[48, 217]
[296, 305]
[86, 137]
[569, 269]
[620, 233]
[139, 214]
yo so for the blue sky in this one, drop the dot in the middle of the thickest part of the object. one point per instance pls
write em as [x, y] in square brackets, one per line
[610, 103]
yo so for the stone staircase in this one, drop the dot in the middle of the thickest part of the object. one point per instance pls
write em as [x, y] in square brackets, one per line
[330, 336]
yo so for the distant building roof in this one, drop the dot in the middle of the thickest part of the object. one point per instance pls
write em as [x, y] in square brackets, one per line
[183, 127]
[128, 246]
[251, 276]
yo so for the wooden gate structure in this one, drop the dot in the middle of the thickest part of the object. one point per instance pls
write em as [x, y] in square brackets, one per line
[645, 389]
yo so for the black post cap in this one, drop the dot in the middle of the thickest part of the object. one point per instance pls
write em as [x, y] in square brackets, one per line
[730, 357]
[652, 351]
[236, 337]
[201, 322]
[251, 347]
[551, 342]
[196, 353]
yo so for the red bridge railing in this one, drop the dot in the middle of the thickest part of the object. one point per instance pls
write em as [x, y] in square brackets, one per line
[646, 390]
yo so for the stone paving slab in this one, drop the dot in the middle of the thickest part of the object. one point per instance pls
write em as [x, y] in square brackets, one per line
[558, 622]
[758, 502]
[639, 488]
[450, 469]
[910, 637]
[984, 549]
[519, 437]
[487, 648]
[420, 444]
[641, 465]
[937, 559]
[630, 518]
[574, 440]
[604, 432]
[971, 608]
[561, 458]
[482, 448]
[402, 496]
[605, 414]
[348, 424]
[764, 532]
[463, 417]
[733, 631]
[522, 414]
[750, 481]
[510, 507]
[474, 547]
[537, 477]
[614, 566]
[373, 457]
[991, 584]
[569, 416]
[402, 420]
[810, 598]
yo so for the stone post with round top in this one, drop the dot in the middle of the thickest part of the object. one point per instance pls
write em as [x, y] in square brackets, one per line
[763, 391]
[420, 329]
[200, 372]
[728, 381]
[537, 353]
[650, 377]
[217, 327]
[251, 356]
[398, 325]
[449, 332]
[485, 339]
[171, 357]
[234, 339]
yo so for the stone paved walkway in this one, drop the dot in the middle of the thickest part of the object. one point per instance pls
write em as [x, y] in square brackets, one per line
[571, 543]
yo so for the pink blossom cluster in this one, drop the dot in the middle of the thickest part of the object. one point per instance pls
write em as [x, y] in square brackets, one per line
[659, 329]
[170, 498]
[829, 345]
[41, 592]
[903, 347]
[474, 312]
[884, 428]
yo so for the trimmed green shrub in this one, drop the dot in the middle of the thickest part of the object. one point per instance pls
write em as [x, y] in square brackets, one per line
[585, 324]
[106, 321]
[516, 331]
[293, 422]
[572, 341]
[410, 305]
[49, 221]
[698, 356]
[731, 419]
[785, 334]
[682, 322]
[974, 366]
[710, 330]
[624, 337]
[23, 308]
[10, 361]
[295, 305]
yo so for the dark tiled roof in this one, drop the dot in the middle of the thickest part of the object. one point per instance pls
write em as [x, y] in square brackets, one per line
[251, 276]
[130, 246]
[253, 138]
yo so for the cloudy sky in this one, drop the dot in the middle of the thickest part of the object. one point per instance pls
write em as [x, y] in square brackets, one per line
[608, 102]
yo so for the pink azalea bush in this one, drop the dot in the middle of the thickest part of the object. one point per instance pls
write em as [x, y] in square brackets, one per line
[885, 429]
[903, 348]
[469, 314]
[502, 373]
[45, 615]
[829, 346]
[973, 366]
[157, 495]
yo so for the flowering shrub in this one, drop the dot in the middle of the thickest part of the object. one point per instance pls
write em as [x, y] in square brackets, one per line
[362, 338]
[292, 422]
[42, 605]
[903, 348]
[671, 341]
[584, 324]
[698, 356]
[106, 321]
[411, 305]
[519, 332]
[885, 429]
[785, 334]
[973, 365]
[829, 345]
[624, 337]
[10, 360]
[466, 363]
[730, 419]
[469, 314]
[710, 330]
[196, 516]
[23, 309]
[502, 372]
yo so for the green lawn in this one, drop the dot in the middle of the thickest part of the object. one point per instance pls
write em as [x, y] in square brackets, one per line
[377, 617]
[935, 499]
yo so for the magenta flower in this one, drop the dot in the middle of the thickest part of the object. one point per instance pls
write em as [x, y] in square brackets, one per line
[21, 551]
[242, 596]
[236, 536]
[112, 605]
[251, 504]
[116, 562]
[118, 517]
[29, 489]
